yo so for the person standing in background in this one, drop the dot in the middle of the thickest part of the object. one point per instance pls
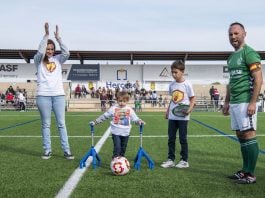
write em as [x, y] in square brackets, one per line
[211, 93]
[216, 98]
[50, 91]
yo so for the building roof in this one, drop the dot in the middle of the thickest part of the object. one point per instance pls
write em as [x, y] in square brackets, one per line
[131, 56]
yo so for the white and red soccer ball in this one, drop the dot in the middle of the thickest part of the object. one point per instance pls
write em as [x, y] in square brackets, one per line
[120, 166]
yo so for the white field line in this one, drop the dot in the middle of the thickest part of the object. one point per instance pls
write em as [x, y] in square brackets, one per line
[89, 115]
[76, 176]
[132, 136]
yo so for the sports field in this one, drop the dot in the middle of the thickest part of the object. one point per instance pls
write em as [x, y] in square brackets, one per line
[213, 155]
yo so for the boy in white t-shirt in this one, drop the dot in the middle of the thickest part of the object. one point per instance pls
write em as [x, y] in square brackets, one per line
[120, 125]
[178, 114]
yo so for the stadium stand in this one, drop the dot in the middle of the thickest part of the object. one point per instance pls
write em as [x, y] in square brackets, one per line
[196, 72]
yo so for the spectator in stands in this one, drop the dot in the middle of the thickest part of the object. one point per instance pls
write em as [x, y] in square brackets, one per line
[165, 101]
[77, 91]
[154, 98]
[137, 85]
[10, 98]
[110, 96]
[17, 91]
[138, 104]
[22, 101]
[103, 100]
[117, 91]
[2, 97]
[221, 104]
[10, 89]
[25, 94]
[160, 100]
[182, 95]
[148, 97]
[16, 99]
[50, 91]
[216, 97]
[84, 91]
[128, 88]
[92, 92]
[143, 93]
[98, 92]
[263, 96]
[211, 92]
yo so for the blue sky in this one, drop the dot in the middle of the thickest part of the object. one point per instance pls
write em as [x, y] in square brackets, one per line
[132, 25]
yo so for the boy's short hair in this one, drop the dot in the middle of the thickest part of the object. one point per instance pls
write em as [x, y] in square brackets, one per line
[123, 95]
[178, 64]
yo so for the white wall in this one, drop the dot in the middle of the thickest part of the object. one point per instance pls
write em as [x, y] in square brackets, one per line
[114, 75]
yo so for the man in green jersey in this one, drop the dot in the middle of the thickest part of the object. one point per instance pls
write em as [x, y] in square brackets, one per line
[242, 92]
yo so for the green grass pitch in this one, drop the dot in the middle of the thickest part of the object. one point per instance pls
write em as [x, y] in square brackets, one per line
[212, 157]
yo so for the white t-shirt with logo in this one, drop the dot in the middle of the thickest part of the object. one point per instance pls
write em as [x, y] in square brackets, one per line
[180, 95]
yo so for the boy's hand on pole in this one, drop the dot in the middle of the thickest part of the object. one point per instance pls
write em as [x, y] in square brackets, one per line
[92, 123]
[141, 122]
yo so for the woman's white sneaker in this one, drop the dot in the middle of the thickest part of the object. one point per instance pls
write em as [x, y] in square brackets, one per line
[46, 155]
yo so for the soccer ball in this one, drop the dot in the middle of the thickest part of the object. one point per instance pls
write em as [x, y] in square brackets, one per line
[120, 166]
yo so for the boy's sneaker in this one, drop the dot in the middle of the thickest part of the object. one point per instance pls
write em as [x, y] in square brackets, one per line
[168, 164]
[238, 175]
[183, 164]
[247, 179]
[46, 155]
[68, 156]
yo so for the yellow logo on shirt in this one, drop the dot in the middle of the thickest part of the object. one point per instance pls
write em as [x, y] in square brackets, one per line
[51, 66]
[177, 96]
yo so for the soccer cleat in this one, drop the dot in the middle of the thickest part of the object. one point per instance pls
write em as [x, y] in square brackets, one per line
[238, 175]
[68, 156]
[247, 179]
[168, 164]
[46, 155]
[183, 164]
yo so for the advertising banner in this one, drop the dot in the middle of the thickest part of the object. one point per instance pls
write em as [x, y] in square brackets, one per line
[84, 72]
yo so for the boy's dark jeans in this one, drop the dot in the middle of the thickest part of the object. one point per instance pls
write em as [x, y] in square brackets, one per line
[120, 145]
[173, 126]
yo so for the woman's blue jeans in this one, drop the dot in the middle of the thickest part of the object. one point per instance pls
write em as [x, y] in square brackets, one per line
[47, 104]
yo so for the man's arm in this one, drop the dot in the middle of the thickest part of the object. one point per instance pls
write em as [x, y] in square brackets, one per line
[258, 80]
[227, 100]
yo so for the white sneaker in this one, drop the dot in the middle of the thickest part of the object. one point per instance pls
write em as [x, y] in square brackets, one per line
[182, 164]
[168, 164]
[46, 155]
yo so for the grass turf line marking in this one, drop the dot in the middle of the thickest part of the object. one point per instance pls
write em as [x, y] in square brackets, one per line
[133, 136]
[76, 176]
[221, 132]
[19, 124]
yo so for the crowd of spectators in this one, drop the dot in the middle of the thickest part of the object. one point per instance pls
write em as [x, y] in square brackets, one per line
[15, 97]
[108, 96]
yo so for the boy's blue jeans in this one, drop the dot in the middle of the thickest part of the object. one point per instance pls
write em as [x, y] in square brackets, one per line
[47, 104]
[120, 145]
[173, 127]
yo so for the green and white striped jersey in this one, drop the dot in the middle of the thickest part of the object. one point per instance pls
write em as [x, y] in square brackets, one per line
[241, 81]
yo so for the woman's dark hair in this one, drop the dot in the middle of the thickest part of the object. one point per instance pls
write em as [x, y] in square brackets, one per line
[46, 60]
